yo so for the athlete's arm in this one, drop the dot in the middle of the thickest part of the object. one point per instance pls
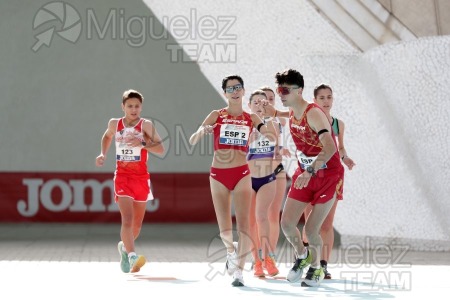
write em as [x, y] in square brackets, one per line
[207, 127]
[342, 151]
[277, 131]
[271, 111]
[106, 142]
[268, 129]
[153, 141]
[277, 153]
[319, 122]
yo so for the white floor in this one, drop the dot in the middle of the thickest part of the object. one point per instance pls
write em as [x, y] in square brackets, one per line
[104, 280]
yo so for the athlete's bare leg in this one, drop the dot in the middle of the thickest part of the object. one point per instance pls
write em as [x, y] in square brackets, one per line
[242, 201]
[264, 198]
[275, 209]
[222, 207]
[313, 226]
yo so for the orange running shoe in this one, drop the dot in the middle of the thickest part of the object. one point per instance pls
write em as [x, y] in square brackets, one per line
[270, 266]
[258, 269]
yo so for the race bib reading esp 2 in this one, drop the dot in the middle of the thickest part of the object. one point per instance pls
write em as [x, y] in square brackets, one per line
[232, 134]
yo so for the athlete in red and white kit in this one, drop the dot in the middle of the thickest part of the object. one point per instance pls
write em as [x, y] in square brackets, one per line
[323, 96]
[134, 138]
[316, 181]
[231, 127]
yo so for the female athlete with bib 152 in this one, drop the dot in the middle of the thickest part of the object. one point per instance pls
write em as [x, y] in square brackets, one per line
[260, 157]
[280, 173]
[134, 138]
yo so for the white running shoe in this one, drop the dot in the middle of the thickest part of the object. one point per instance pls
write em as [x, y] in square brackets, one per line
[232, 260]
[238, 279]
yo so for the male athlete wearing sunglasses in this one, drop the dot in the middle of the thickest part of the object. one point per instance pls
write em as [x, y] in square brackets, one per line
[231, 127]
[317, 180]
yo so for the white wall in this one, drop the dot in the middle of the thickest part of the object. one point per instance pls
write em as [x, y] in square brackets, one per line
[404, 187]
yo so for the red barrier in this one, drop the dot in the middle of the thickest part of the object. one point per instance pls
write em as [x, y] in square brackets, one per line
[88, 197]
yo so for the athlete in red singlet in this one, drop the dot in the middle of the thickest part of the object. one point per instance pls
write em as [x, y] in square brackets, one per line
[231, 127]
[323, 96]
[317, 179]
[134, 138]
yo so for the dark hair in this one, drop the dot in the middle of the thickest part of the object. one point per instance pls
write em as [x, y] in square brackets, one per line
[266, 88]
[231, 77]
[132, 94]
[321, 86]
[290, 76]
[257, 92]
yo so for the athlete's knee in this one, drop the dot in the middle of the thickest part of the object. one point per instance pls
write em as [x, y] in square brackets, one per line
[262, 217]
[274, 216]
[127, 221]
[243, 225]
[326, 227]
[311, 233]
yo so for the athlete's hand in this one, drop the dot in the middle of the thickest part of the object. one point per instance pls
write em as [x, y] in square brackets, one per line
[285, 152]
[209, 129]
[277, 153]
[349, 162]
[133, 141]
[268, 109]
[260, 102]
[100, 160]
[302, 180]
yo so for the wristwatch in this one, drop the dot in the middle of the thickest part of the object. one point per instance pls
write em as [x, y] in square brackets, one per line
[311, 171]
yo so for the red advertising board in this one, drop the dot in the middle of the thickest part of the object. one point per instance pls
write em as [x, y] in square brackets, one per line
[89, 197]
